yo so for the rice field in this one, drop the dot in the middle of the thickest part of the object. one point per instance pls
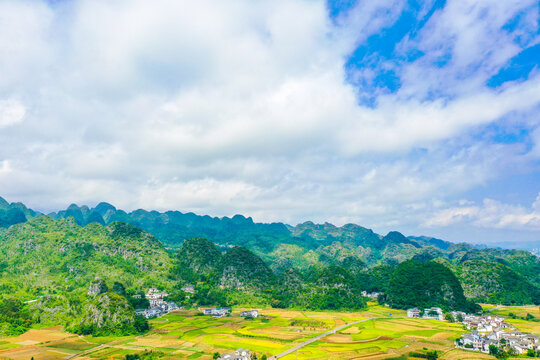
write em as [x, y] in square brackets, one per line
[187, 335]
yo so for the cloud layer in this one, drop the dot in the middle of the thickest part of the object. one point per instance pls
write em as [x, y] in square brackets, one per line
[261, 108]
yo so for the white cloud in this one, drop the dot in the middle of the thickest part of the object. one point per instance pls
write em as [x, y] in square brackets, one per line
[490, 214]
[11, 112]
[243, 107]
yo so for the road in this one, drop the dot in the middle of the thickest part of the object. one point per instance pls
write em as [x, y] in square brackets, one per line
[85, 352]
[274, 357]
[318, 337]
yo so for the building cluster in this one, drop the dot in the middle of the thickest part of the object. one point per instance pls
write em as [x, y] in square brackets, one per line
[492, 330]
[373, 295]
[250, 313]
[429, 313]
[482, 323]
[517, 342]
[158, 305]
[220, 312]
[190, 289]
[240, 354]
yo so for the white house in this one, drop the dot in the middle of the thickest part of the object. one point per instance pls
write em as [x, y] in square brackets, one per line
[250, 313]
[190, 289]
[413, 313]
[240, 354]
[433, 313]
[217, 312]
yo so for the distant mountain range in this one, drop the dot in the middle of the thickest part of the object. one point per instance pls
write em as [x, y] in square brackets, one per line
[486, 275]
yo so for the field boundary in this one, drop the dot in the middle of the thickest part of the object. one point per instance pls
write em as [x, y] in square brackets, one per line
[323, 335]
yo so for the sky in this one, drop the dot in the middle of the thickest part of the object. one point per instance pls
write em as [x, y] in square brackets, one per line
[417, 116]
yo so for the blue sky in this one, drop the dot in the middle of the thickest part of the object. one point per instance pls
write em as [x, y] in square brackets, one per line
[401, 115]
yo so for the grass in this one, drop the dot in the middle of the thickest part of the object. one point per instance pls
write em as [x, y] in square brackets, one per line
[520, 311]
[183, 335]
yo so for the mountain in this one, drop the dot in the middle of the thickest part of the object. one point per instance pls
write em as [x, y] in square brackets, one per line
[172, 228]
[244, 270]
[198, 257]
[426, 241]
[14, 213]
[307, 248]
[495, 283]
[426, 284]
[104, 314]
[63, 256]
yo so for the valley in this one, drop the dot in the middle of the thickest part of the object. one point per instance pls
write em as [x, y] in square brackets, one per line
[382, 333]
[73, 286]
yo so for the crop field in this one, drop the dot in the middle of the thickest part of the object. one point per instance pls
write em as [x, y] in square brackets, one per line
[521, 312]
[385, 333]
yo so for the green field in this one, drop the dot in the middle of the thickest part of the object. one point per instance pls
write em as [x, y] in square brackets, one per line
[187, 335]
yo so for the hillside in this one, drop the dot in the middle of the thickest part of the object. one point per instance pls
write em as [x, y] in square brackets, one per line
[244, 270]
[308, 247]
[46, 256]
[426, 284]
[273, 242]
[198, 258]
[495, 283]
[14, 213]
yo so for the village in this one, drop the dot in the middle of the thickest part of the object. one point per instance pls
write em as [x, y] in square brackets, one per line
[158, 305]
[489, 334]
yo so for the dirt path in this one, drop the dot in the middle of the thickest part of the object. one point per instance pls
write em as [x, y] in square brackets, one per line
[318, 337]
[86, 351]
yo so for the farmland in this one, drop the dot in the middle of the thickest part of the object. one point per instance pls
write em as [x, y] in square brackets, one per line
[386, 333]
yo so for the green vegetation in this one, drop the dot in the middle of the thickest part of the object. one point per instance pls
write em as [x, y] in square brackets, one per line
[496, 283]
[15, 213]
[353, 247]
[186, 335]
[14, 320]
[44, 256]
[427, 284]
[48, 265]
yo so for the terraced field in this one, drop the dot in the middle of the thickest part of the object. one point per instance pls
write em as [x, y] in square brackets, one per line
[186, 335]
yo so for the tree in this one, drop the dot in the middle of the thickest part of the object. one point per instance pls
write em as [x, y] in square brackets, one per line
[531, 353]
[141, 324]
[432, 355]
[459, 317]
[502, 354]
[216, 356]
[119, 288]
[493, 350]
[449, 317]
[263, 357]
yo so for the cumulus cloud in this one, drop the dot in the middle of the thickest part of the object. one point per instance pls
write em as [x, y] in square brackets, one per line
[245, 107]
[490, 213]
[11, 112]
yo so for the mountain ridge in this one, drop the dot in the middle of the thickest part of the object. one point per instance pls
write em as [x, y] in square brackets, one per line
[310, 247]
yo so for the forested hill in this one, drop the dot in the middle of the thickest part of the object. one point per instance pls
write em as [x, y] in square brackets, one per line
[310, 246]
[173, 227]
[14, 213]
